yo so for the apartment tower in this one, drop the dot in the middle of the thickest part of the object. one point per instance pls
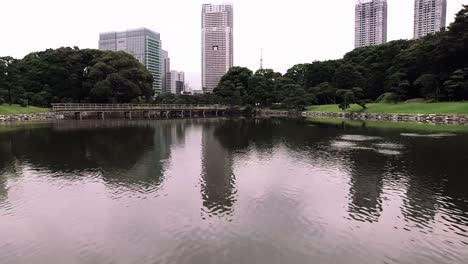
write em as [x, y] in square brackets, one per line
[143, 44]
[217, 44]
[371, 23]
[429, 16]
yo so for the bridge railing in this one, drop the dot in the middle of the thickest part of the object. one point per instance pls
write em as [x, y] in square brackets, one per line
[129, 107]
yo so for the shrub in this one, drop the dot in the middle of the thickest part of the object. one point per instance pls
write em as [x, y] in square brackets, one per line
[389, 97]
[248, 111]
[23, 102]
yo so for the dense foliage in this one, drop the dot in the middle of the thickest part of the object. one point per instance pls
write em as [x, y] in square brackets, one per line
[434, 67]
[74, 75]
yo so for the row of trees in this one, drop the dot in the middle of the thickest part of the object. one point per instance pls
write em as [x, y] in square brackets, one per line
[434, 67]
[74, 75]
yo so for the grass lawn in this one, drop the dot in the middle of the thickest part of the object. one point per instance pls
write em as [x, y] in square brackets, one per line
[6, 109]
[401, 108]
[401, 126]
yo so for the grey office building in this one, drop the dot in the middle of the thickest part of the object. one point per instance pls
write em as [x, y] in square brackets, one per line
[177, 82]
[143, 44]
[370, 23]
[217, 44]
[429, 16]
[166, 66]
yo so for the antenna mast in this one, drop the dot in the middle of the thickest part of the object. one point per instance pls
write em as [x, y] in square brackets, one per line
[261, 59]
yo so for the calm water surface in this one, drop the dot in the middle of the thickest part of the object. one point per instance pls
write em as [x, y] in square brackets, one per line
[220, 191]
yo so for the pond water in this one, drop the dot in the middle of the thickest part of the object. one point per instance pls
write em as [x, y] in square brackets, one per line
[231, 191]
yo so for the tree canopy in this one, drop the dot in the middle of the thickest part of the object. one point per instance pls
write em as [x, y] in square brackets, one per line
[434, 67]
[74, 75]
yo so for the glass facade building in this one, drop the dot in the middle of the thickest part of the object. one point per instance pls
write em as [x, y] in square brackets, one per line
[143, 44]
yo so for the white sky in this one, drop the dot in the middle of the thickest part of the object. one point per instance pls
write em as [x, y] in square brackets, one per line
[290, 32]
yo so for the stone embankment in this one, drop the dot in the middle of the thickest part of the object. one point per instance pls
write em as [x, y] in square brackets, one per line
[415, 118]
[276, 113]
[29, 117]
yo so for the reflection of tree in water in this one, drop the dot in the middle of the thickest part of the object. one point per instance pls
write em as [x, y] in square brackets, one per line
[428, 169]
[123, 153]
[224, 139]
[436, 173]
[367, 171]
[217, 180]
[263, 134]
[6, 164]
[148, 172]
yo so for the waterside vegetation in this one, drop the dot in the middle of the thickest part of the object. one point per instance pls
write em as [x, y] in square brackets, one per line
[386, 125]
[401, 108]
[6, 109]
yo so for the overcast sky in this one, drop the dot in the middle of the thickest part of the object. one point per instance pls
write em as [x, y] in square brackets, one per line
[290, 32]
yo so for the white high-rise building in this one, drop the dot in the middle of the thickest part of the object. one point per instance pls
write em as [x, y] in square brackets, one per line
[177, 82]
[429, 16]
[371, 23]
[143, 44]
[217, 44]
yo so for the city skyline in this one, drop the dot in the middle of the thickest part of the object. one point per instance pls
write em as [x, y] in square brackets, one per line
[301, 26]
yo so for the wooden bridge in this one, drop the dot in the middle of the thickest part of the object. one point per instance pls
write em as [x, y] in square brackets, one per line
[145, 111]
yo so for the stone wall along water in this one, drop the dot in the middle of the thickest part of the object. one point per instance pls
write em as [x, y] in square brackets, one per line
[29, 117]
[415, 118]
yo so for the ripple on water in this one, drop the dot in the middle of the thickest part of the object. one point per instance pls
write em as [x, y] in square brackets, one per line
[343, 144]
[389, 146]
[359, 138]
[388, 152]
[439, 135]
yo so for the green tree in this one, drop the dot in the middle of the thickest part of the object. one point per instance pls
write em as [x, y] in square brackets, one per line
[325, 93]
[429, 86]
[347, 76]
[233, 87]
[455, 86]
[7, 78]
[348, 97]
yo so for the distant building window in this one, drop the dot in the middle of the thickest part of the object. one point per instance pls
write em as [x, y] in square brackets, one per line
[215, 48]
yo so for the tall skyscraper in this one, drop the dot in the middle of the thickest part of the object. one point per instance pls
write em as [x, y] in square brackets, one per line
[371, 23]
[217, 44]
[177, 82]
[429, 16]
[166, 75]
[143, 44]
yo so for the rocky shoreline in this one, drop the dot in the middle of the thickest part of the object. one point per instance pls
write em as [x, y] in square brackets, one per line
[29, 117]
[413, 118]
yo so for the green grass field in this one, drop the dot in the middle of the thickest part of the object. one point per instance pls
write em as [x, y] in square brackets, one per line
[402, 108]
[385, 125]
[6, 109]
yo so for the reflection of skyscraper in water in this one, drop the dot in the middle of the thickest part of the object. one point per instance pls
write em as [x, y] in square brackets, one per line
[217, 180]
[367, 170]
